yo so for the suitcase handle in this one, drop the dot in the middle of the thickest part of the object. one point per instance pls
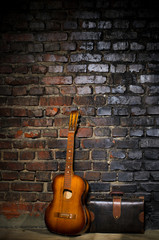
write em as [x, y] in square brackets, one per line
[116, 193]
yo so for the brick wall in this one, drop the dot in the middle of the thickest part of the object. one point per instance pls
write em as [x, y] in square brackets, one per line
[100, 57]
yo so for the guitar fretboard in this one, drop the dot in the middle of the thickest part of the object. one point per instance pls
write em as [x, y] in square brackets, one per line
[69, 161]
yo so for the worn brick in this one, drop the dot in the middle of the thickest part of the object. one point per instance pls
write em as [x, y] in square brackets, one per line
[86, 45]
[149, 79]
[130, 100]
[55, 58]
[104, 24]
[119, 89]
[120, 46]
[151, 154]
[57, 36]
[97, 143]
[88, 24]
[108, 177]
[125, 177]
[151, 165]
[77, 68]
[98, 68]
[152, 132]
[149, 143]
[85, 36]
[99, 154]
[100, 166]
[141, 176]
[85, 57]
[92, 176]
[153, 110]
[84, 90]
[84, 100]
[138, 111]
[119, 132]
[136, 133]
[101, 45]
[99, 187]
[117, 154]
[116, 57]
[90, 79]
[104, 111]
[57, 80]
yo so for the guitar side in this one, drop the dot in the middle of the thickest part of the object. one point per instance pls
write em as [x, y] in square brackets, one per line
[68, 216]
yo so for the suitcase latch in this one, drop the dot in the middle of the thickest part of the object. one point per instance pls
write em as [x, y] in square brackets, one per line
[116, 207]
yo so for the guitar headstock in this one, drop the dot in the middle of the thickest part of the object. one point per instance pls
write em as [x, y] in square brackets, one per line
[73, 121]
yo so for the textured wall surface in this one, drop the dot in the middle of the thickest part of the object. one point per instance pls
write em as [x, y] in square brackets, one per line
[100, 57]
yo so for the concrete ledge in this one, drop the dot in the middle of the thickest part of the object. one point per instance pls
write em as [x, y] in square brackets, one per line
[41, 234]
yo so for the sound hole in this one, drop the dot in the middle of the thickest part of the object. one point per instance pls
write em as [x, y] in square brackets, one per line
[67, 194]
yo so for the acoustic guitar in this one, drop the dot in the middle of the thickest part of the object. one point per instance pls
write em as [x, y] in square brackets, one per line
[67, 214]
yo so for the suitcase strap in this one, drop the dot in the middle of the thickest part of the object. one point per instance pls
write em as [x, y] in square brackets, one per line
[116, 207]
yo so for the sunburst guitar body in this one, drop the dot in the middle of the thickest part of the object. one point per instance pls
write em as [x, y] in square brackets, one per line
[67, 214]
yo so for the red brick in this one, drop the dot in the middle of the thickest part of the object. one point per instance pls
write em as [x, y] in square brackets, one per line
[42, 166]
[20, 112]
[32, 134]
[92, 176]
[27, 187]
[36, 91]
[57, 80]
[84, 132]
[84, 100]
[23, 101]
[17, 59]
[4, 186]
[5, 144]
[19, 91]
[51, 111]
[45, 197]
[6, 91]
[26, 155]
[18, 134]
[68, 90]
[11, 166]
[21, 69]
[61, 122]
[43, 176]
[27, 176]
[51, 90]
[11, 123]
[12, 197]
[50, 133]
[81, 132]
[56, 101]
[10, 175]
[44, 155]
[21, 81]
[5, 69]
[5, 112]
[39, 69]
[54, 58]
[29, 144]
[10, 156]
[37, 122]
[35, 113]
[28, 197]
[18, 37]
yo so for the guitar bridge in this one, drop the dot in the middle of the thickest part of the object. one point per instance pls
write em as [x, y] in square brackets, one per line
[65, 215]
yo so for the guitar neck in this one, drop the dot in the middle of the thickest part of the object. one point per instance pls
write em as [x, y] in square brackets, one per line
[69, 161]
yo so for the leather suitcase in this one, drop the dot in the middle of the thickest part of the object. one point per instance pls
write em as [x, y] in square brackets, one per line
[117, 214]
